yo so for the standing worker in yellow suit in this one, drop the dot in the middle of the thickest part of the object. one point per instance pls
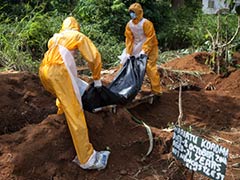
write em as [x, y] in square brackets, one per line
[58, 75]
[141, 40]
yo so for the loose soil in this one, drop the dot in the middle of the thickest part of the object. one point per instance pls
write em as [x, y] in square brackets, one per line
[35, 142]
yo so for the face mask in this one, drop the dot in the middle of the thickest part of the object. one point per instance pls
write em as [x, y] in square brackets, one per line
[132, 15]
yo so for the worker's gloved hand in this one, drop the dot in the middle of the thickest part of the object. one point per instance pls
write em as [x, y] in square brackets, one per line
[142, 54]
[128, 56]
[97, 83]
[131, 57]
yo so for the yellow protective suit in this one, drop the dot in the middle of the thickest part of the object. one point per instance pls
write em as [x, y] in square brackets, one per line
[140, 37]
[58, 75]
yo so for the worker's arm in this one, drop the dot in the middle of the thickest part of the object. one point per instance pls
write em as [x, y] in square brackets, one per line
[129, 40]
[150, 36]
[90, 53]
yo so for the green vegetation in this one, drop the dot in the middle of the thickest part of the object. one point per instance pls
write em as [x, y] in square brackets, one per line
[26, 27]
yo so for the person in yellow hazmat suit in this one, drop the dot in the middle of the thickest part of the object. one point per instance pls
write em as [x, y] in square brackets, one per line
[58, 75]
[140, 39]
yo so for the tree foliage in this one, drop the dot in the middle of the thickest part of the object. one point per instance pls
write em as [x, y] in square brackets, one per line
[26, 26]
[20, 8]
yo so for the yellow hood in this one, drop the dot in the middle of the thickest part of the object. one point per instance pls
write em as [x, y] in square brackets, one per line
[137, 8]
[70, 23]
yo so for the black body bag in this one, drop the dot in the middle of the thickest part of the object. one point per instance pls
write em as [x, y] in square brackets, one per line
[123, 89]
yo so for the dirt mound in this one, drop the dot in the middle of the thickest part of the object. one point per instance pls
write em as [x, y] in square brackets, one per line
[191, 62]
[36, 143]
[229, 85]
[23, 101]
[45, 150]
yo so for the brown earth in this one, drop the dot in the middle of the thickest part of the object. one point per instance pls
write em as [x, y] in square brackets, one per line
[35, 142]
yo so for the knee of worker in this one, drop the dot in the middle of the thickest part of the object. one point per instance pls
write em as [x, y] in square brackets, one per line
[153, 76]
[152, 71]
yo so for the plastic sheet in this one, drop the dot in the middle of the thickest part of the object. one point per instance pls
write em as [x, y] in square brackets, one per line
[123, 89]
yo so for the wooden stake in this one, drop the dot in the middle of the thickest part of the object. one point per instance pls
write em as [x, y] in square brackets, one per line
[180, 116]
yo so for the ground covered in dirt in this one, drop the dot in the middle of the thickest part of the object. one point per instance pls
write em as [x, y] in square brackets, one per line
[35, 143]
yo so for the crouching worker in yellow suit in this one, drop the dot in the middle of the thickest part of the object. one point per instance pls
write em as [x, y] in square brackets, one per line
[140, 39]
[58, 75]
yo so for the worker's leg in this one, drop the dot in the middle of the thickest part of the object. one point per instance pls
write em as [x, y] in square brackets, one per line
[152, 71]
[59, 80]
